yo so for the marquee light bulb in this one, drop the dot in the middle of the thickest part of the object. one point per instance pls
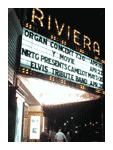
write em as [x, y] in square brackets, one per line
[103, 61]
[26, 25]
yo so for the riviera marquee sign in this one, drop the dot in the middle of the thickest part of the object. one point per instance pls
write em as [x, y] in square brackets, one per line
[46, 56]
[76, 39]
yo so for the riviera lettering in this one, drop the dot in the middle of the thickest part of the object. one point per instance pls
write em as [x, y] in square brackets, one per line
[76, 39]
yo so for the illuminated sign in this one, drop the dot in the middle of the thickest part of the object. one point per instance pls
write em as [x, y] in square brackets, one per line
[76, 39]
[46, 56]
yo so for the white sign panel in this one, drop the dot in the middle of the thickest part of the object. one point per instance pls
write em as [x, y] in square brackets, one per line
[35, 127]
[46, 56]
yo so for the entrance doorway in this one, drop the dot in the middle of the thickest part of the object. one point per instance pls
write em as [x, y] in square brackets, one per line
[66, 107]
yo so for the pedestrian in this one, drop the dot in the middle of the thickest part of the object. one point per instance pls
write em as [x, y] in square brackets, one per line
[68, 137]
[50, 134]
[44, 136]
[53, 136]
[60, 136]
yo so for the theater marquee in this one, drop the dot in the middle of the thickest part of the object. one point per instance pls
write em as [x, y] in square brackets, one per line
[46, 56]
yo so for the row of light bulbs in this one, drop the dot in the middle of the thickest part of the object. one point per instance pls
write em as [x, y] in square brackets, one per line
[77, 85]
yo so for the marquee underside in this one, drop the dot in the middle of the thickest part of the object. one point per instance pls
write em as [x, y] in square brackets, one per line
[49, 93]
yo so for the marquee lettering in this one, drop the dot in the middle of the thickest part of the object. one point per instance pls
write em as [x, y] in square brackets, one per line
[59, 32]
[34, 16]
[75, 32]
[54, 59]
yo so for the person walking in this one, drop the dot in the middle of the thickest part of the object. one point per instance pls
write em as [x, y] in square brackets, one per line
[68, 137]
[50, 134]
[60, 136]
[53, 136]
[44, 136]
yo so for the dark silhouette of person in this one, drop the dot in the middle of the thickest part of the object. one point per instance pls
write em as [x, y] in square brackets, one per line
[50, 134]
[44, 136]
[68, 137]
[53, 135]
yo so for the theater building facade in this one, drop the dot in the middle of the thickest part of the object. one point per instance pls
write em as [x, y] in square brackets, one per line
[46, 70]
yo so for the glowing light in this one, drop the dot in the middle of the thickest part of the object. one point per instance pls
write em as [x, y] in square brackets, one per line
[97, 91]
[68, 33]
[96, 57]
[96, 50]
[88, 44]
[90, 123]
[103, 61]
[26, 25]
[81, 51]
[30, 26]
[59, 32]
[76, 37]
[34, 16]
[45, 92]
[33, 12]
